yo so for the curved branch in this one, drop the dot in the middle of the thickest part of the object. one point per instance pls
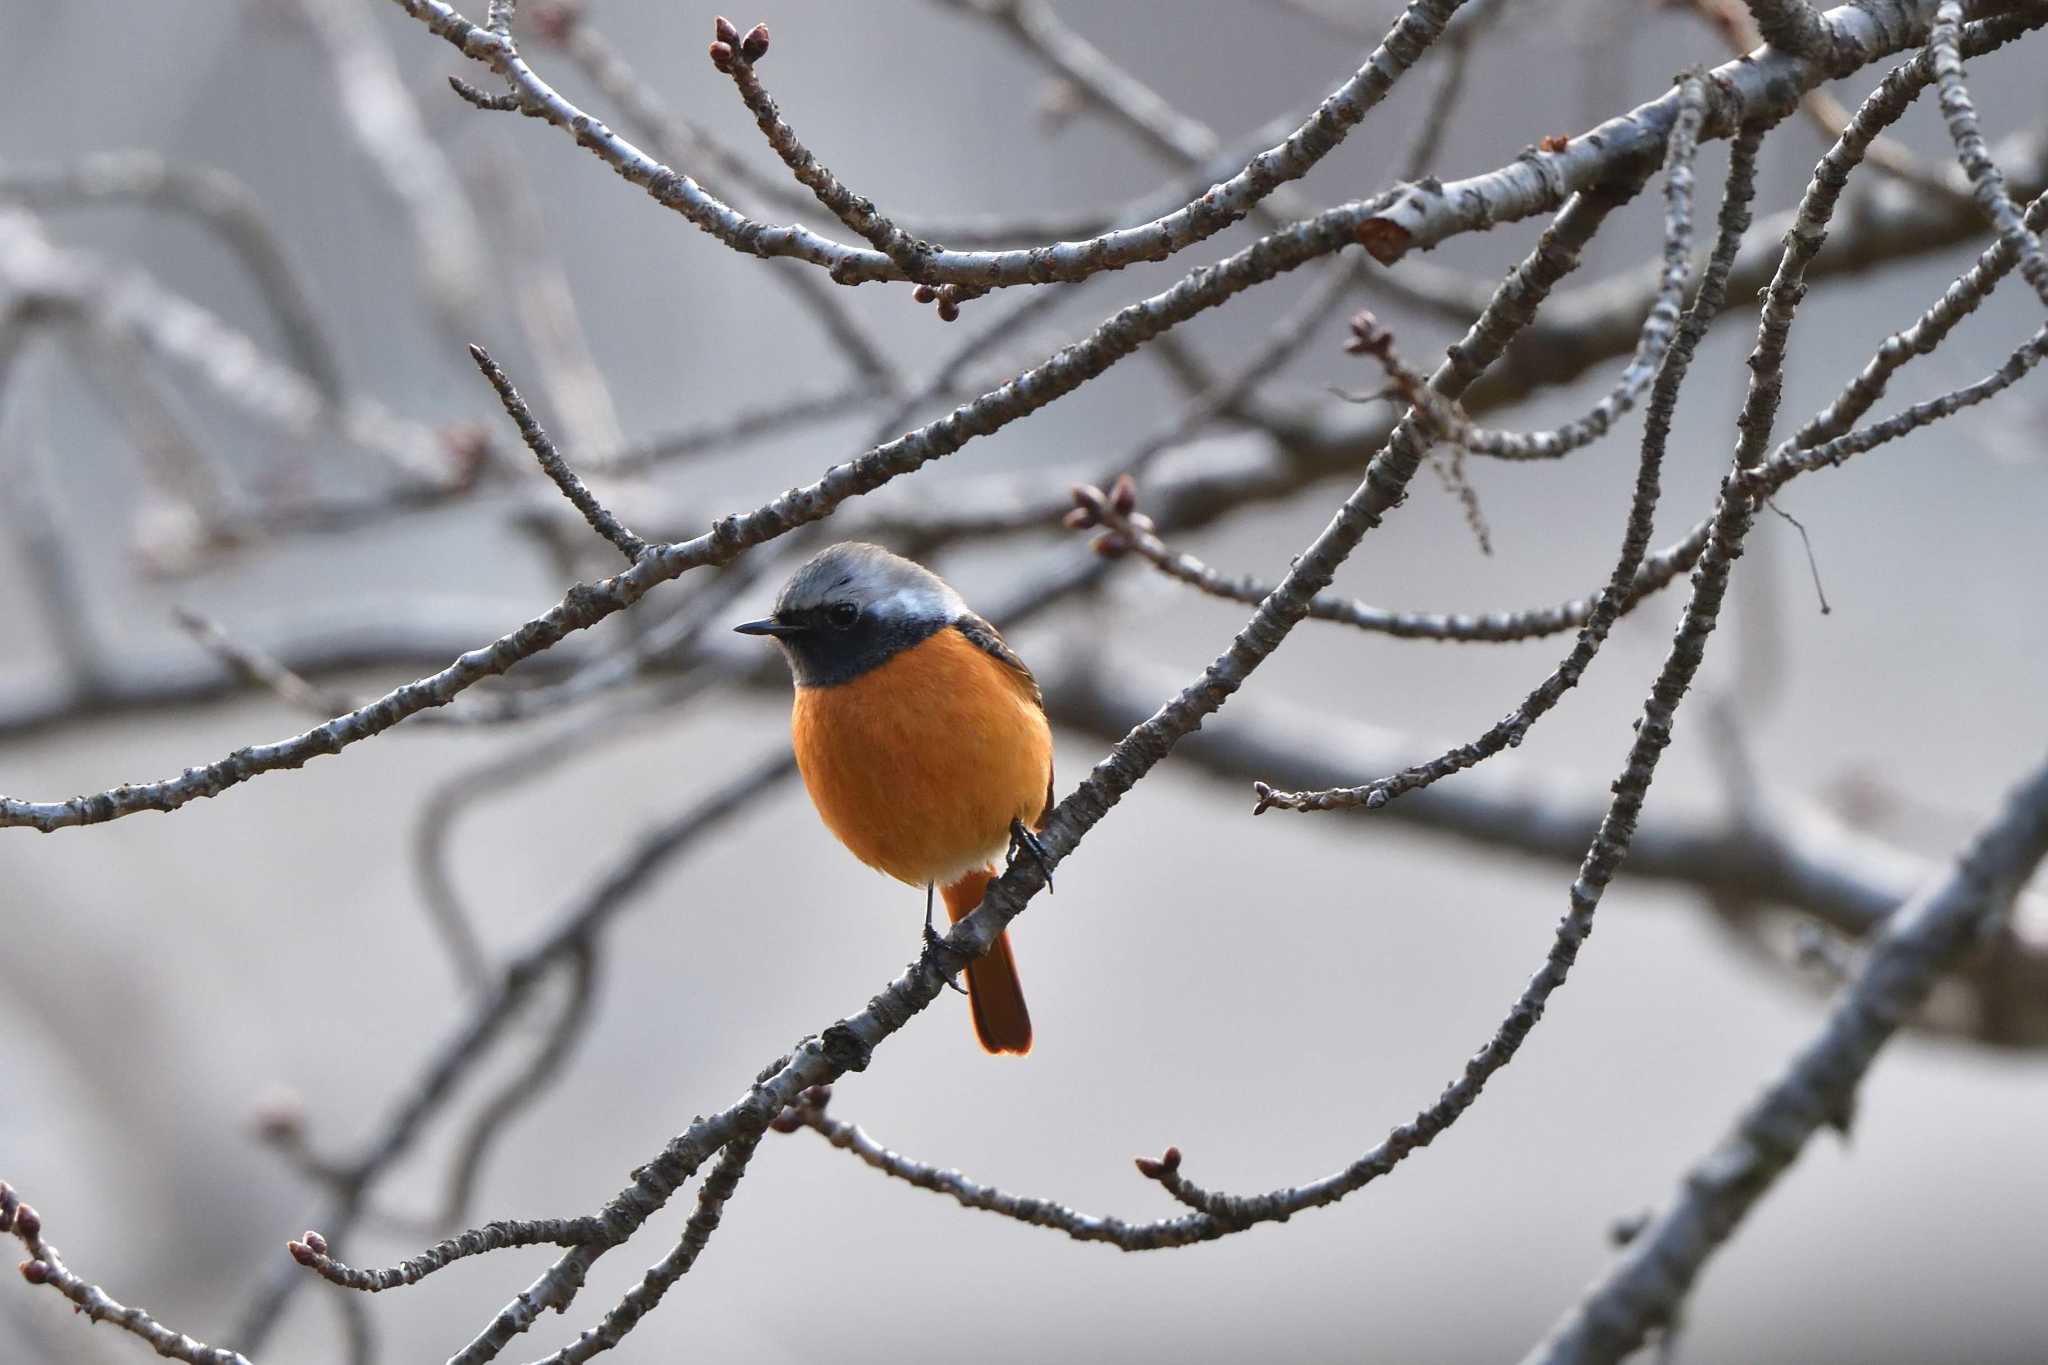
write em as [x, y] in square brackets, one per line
[1197, 221]
[1158, 1235]
[553, 465]
[849, 1044]
[1648, 1285]
[1987, 182]
[1675, 362]
[1761, 477]
[45, 1267]
[492, 1118]
[225, 205]
[717, 1191]
[310, 1251]
[587, 604]
[1761, 86]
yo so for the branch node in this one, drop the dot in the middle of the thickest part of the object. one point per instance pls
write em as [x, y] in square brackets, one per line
[506, 103]
[844, 1048]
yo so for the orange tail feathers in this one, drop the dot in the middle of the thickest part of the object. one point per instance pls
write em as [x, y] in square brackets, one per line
[993, 992]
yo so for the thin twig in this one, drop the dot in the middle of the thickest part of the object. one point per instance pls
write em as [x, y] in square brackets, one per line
[1673, 363]
[492, 1119]
[553, 465]
[737, 58]
[1649, 1284]
[385, 121]
[587, 604]
[1800, 454]
[1211, 213]
[1987, 182]
[260, 669]
[310, 1251]
[1758, 87]
[225, 205]
[45, 1267]
[680, 140]
[1658, 328]
[712, 1198]
[586, 918]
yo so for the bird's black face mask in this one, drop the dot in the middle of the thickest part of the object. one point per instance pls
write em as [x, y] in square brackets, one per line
[839, 641]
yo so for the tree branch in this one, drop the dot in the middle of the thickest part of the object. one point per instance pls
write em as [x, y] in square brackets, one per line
[1209, 214]
[553, 465]
[45, 1267]
[1648, 1285]
[587, 604]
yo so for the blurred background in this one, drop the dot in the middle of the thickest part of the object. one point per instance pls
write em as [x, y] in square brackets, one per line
[1200, 977]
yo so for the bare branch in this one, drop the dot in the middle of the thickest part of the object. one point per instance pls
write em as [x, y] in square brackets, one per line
[492, 1119]
[125, 304]
[1223, 205]
[1648, 1285]
[1756, 88]
[45, 1267]
[1987, 182]
[1921, 338]
[1660, 327]
[225, 205]
[581, 923]
[310, 1251]
[738, 59]
[1673, 362]
[1794, 26]
[971, 1193]
[1882, 108]
[717, 1190]
[676, 139]
[259, 668]
[386, 124]
[587, 604]
[553, 465]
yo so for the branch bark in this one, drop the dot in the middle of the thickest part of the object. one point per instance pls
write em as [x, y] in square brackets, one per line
[1648, 1285]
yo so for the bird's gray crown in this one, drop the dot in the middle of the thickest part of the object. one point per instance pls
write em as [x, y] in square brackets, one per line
[852, 609]
[884, 585]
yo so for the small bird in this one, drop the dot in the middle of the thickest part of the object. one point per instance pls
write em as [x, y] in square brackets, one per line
[922, 739]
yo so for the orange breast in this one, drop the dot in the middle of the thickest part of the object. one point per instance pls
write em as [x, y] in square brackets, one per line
[920, 765]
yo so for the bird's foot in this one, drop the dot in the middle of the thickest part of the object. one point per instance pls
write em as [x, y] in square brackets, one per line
[933, 941]
[1023, 840]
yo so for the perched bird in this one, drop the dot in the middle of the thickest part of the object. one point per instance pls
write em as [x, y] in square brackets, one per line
[922, 739]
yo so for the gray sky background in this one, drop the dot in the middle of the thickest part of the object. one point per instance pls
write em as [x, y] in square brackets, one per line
[1200, 979]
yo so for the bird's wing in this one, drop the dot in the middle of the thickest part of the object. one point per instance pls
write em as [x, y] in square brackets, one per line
[989, 642]
[986, 638]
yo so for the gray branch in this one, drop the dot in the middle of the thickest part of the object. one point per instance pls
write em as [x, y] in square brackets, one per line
[1647, 1286]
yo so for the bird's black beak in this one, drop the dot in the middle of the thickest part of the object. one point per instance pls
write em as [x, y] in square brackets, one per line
[767, 625]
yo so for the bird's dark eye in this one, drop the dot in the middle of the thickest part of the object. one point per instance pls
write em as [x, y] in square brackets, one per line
[842, 614]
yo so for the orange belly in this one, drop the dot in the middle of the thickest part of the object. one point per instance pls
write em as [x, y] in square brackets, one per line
[920, 765]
